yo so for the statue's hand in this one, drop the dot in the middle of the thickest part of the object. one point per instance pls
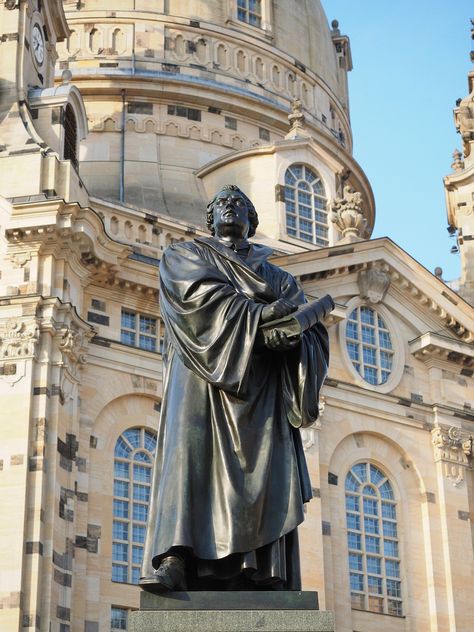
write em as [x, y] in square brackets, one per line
[278, 309]
[278, 341]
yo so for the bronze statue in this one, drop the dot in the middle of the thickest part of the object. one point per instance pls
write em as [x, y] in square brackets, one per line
[230, 475]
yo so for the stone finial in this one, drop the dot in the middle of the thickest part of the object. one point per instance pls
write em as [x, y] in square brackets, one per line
[458, 162]
[373, 283]
[348, 216]
[335, 28]
[297, 121]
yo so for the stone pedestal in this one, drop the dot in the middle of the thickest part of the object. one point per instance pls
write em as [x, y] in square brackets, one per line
[259, 611]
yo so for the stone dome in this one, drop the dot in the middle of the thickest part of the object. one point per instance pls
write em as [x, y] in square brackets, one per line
[305, 35]
[174, 90]
[301, 32]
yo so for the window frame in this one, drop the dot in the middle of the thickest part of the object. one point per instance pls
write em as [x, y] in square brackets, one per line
[398, 345]
[361, 577]
[157, 337]
[373, 346]
[265, 30]
[244, 7]
[296, 189]
[124, 611]
[126, 570]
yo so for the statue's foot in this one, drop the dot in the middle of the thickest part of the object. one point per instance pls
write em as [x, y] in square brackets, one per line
[170, 575]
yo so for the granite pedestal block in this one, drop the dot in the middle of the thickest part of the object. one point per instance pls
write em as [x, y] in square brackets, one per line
[207, 611]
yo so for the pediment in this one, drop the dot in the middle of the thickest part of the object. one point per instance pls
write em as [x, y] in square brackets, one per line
[380, 271]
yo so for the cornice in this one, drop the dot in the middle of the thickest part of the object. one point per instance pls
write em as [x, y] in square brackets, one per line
[228, 34]
[432, 347]
[50, 219]
[459, 177]
[392, 407]
[405, 274]
[166, 222]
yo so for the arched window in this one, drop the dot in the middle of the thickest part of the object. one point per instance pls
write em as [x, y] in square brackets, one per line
[369, 345]
[70, 136]
[372, 538]
[134, 454]
[306, 205]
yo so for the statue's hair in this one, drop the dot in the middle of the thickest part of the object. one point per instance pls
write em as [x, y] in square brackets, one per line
[253, 217]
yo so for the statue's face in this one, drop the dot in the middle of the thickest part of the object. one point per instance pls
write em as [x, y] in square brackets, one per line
[231, 215]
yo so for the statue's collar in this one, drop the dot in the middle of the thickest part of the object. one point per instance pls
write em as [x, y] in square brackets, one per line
[257, 253]
[241, 244]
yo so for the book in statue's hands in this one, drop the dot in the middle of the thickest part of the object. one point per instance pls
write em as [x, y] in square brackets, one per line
[306, 316]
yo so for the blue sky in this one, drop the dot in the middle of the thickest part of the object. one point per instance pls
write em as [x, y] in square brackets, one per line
[411, 61]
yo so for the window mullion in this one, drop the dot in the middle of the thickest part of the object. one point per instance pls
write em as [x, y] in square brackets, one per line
[361, 343]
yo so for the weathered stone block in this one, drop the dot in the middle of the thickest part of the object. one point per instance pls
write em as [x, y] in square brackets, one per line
[262, 611]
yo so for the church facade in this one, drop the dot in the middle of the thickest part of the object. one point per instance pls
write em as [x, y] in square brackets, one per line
[118, 121]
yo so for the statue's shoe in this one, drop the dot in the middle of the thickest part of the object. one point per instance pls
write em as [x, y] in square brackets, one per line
[170, 575]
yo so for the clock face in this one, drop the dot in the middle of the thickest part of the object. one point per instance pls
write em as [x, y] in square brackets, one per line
[38, 43]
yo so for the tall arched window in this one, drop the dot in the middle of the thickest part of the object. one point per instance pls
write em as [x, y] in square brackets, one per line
[134, 454]
[306, 205]
[372, 538]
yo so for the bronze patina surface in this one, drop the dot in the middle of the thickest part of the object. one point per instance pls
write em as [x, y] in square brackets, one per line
[230, 478]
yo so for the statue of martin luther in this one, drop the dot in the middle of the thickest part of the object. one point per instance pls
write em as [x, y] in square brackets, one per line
[230, 476]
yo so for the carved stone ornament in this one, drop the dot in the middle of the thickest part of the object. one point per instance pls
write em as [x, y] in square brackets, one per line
[464, 120]
[297, 121]
[348, 216]
[454, 449]
[373, 283]
[19, 339]
[19, 259]
[71, 346]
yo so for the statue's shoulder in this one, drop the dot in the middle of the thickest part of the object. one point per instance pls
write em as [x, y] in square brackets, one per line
[182, 247]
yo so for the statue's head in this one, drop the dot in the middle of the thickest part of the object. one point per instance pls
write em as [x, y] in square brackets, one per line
[231, 214]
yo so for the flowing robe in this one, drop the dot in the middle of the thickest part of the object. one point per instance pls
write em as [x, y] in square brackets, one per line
[230, 477]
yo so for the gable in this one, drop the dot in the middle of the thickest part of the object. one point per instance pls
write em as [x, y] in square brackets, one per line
[428, 326]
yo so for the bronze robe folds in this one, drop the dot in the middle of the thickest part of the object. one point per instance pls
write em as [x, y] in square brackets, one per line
[230, 474]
